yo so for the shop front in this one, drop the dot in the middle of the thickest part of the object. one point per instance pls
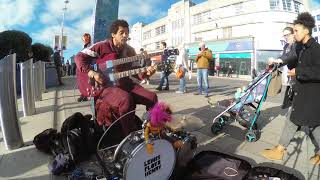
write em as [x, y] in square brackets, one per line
[233, 56]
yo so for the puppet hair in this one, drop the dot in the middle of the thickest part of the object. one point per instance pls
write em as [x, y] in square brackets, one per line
[160, 114]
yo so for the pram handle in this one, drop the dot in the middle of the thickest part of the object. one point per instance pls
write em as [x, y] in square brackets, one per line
[273, 67]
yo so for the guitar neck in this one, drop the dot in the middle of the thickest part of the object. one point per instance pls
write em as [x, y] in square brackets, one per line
[134, 58]
[119, 75]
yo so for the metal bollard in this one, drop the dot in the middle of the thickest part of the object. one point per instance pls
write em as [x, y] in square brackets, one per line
[8, 104]
[43, 76]
[36, 79]
[27, 95]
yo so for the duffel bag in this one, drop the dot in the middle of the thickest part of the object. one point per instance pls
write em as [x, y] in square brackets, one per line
[209, 165]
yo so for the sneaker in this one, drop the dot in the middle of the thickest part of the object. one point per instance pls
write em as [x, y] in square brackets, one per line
[207, 95]
[159, 89]
[166, 88]
[179, 92]
[196, 93]
[143, 82]
[82, 98]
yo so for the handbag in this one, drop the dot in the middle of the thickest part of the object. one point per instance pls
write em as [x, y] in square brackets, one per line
[275, 83]
[179, 73]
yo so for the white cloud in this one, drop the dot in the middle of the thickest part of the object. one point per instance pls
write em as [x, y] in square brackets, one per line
[76, 9]
[131, 9]
[16, 12]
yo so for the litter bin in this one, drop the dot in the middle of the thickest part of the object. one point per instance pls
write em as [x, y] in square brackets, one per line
[27, 93]
[8, 104]
[37, 80]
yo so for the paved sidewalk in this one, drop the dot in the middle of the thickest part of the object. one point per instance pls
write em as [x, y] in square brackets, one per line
[59, 103]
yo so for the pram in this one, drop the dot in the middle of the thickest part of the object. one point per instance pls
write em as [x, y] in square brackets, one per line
[246, 107]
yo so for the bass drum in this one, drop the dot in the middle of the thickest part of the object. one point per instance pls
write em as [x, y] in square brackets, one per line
[134, 163]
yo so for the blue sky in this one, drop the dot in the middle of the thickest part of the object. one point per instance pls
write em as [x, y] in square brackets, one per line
[41, 19]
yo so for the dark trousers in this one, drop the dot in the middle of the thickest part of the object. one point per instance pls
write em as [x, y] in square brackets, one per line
[121, 100]
[59, 73]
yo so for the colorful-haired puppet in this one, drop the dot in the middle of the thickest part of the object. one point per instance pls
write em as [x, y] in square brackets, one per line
[159, 115]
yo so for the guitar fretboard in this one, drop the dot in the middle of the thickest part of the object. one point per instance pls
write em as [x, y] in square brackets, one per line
[134, 58]
[131, 72]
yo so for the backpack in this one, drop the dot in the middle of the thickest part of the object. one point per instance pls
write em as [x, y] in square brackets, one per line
[78, 137]
[208, 165]
[49, 142]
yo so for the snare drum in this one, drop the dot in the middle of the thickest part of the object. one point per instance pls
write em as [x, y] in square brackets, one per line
[134, 163]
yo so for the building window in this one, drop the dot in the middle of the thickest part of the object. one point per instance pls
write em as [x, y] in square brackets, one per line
[197, 19]
[160, 30]
[147, 35]
[315, 29]
[157, 45]
[286, 5]
[227, 32]
[318, 17]
[319, 28]
[297, 6]
[274, 4]
[238, 8]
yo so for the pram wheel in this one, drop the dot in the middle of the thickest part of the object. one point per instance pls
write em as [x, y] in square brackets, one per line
[216, 128]
[251, 136]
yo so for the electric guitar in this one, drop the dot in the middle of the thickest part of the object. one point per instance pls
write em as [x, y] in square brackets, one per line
[109, 67]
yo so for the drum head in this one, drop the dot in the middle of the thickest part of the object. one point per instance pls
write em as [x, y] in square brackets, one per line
[156, 166]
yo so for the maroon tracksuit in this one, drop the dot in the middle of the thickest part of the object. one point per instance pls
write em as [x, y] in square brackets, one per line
[123, 97]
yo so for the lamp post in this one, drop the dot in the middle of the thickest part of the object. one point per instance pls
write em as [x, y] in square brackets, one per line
[62, 24]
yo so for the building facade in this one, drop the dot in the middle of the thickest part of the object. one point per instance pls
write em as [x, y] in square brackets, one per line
[241, 33]
[316, 30]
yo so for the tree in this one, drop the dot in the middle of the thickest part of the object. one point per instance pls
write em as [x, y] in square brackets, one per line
[13, 41]
[41, 52]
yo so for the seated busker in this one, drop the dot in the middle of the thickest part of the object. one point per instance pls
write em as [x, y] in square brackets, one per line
[116, 97]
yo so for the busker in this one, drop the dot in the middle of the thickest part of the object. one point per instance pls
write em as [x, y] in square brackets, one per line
[123, 97]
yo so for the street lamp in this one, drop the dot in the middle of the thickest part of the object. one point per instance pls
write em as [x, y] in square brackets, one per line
[62, 23]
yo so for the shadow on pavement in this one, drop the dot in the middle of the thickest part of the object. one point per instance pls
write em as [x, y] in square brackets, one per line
[20, 162]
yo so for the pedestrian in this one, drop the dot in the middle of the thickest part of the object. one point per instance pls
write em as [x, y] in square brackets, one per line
[288, 49]
[165, 63]
[304, 109]
[144, 77]
[68, 68]
[229, 72]
[86, 39]
[182, 65]
[58, 65]
[202, 59]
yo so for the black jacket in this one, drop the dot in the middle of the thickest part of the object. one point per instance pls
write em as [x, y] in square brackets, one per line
[306, 101]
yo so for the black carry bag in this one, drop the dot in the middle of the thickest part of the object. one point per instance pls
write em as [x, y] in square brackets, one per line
[267, 173]
[49, 141]
[209, 165]
[78, 136]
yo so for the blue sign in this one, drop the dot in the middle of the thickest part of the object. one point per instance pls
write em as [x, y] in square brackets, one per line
[105, 12]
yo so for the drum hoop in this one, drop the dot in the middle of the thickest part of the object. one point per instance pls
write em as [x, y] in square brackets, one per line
[136, 150]
[116, 152]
